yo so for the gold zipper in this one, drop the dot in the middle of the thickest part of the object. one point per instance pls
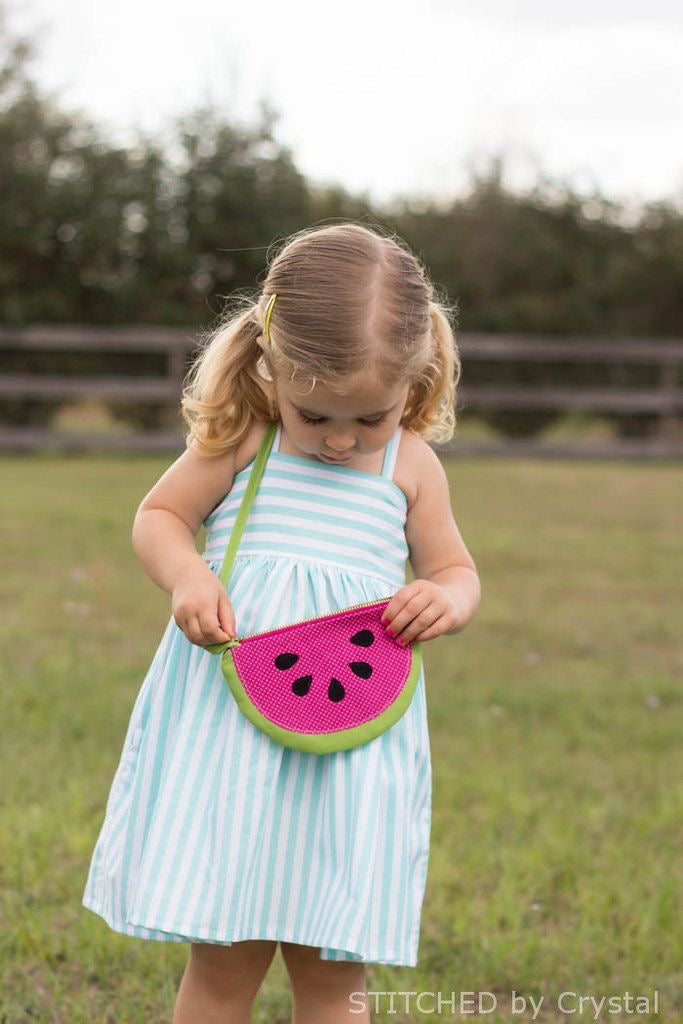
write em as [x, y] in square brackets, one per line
[364, 604]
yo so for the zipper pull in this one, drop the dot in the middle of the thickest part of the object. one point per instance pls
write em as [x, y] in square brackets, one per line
[220, 648]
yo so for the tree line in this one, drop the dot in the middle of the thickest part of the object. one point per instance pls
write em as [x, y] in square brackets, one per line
[156, 232]
[159, 231]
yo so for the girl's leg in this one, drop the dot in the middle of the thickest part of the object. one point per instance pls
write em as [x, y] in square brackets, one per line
[325, 991]
[220, 982]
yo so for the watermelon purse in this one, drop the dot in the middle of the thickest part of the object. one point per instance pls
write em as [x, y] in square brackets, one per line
[323, 684]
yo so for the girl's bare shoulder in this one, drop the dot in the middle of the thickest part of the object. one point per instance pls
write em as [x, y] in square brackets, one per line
[249, 445]
[413, 456]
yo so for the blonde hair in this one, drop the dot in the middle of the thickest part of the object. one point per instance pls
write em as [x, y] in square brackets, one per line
[350, 301]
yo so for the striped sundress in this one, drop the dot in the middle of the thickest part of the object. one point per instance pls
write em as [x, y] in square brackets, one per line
[214, 832]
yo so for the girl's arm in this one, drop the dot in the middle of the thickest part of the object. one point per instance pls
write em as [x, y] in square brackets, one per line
[446, 591]
[170, 515]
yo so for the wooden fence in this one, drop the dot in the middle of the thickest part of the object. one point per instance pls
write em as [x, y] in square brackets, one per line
[663, 400]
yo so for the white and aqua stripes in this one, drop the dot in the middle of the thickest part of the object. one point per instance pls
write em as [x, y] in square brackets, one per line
[214, 832]
[347, 518]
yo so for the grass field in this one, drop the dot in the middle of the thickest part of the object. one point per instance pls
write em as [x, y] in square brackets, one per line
[555, 719]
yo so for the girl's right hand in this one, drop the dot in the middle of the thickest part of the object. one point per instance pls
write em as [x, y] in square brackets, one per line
[202, 609]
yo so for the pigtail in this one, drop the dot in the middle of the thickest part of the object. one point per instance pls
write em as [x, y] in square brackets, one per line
[430, 409]
[224, 392]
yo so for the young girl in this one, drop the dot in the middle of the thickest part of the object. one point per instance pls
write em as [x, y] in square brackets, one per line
[215, 834]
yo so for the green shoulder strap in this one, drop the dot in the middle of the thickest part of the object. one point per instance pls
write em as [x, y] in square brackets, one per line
[243, 512]
[247, 498]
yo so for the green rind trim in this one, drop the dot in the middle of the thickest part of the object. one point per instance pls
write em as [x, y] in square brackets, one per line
[329, 742]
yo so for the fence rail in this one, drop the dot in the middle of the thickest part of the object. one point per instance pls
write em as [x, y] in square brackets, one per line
[660, 396]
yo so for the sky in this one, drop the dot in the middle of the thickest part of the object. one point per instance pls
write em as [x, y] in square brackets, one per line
[394, 98]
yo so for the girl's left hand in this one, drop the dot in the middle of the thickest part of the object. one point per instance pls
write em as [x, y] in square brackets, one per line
[421, 610]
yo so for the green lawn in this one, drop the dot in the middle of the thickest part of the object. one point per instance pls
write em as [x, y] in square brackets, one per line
[556, 722]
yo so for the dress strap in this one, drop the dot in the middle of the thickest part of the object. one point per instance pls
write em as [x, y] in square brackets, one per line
[276, 439]
[390, 453]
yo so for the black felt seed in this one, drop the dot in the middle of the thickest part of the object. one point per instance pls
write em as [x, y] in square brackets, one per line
[363, 638]
[302, 685]
[286, 660]
[361, 669]
[335, 690]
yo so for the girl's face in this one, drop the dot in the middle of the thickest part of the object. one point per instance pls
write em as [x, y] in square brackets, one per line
[340, 428]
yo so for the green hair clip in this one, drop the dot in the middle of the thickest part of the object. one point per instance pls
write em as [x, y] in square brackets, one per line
[269, 310]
